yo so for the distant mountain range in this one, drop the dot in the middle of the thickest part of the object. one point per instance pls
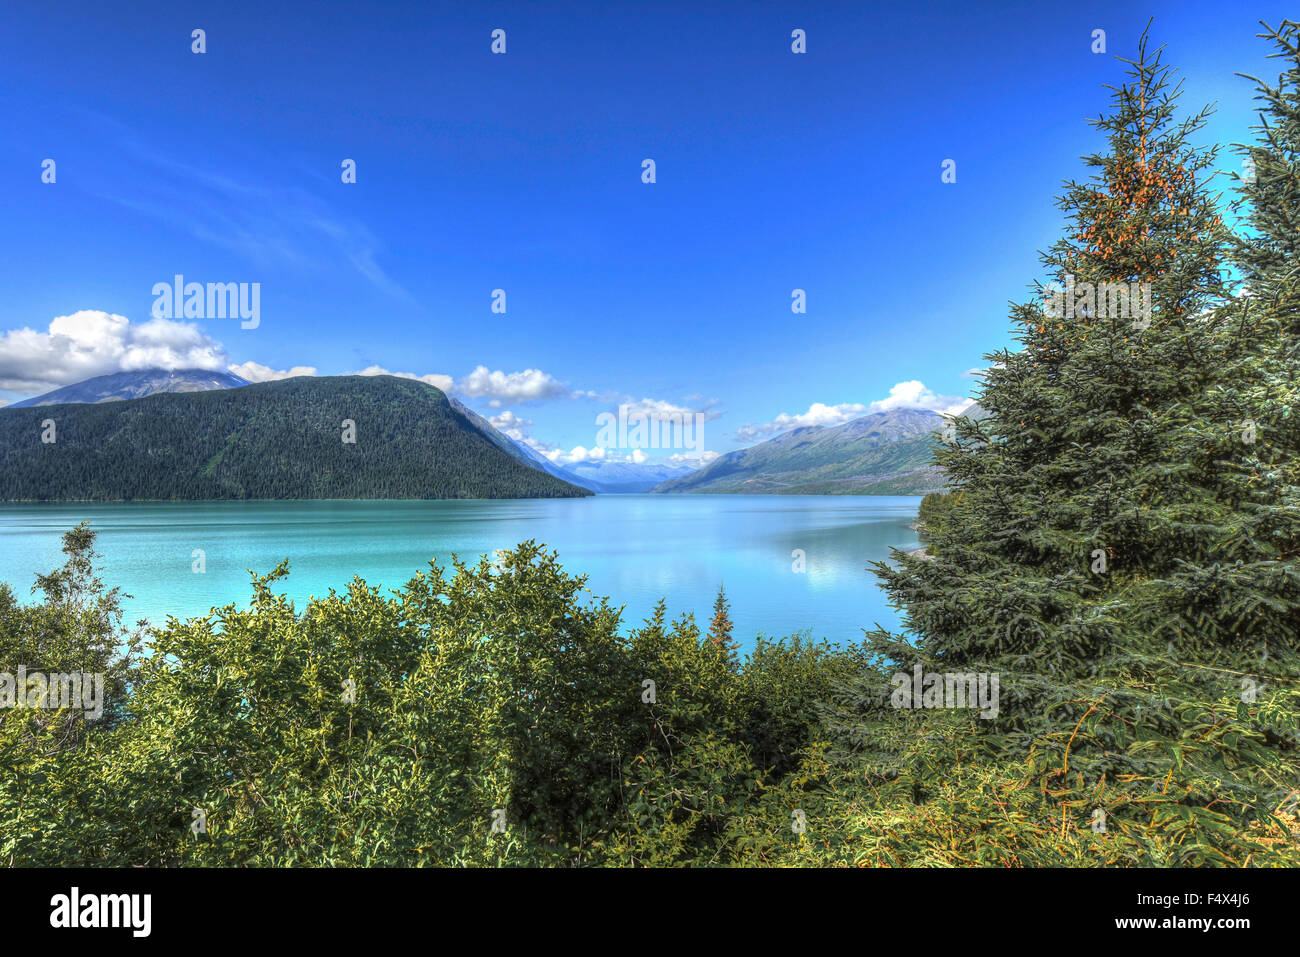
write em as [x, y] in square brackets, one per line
[118, 386]
[624, 477]
[885, 453]
[273, 440]
[519, 451]
[594, 475]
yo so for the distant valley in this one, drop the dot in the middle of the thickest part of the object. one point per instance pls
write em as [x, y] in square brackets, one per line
[625, 477]
[610, 478]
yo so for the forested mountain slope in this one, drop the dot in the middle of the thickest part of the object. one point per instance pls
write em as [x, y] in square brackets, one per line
[272, 440]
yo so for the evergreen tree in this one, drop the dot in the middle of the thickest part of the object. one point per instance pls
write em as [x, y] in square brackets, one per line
[1102, 553]
[1268, 256]
[720, 624]
[1077, 495]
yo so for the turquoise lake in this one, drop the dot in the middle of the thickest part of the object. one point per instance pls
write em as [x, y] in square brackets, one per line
[633, 548]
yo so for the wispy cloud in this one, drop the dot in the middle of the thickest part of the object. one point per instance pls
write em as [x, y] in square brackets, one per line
[256, 372]
[272, 224]
[531, 385]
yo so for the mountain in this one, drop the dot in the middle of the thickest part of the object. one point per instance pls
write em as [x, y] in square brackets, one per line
[519, 451]
[272, 440]
[885, 453]
[625, 477]
[610, 478]
[118, 386]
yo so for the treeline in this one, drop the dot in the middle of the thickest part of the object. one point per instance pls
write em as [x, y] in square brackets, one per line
[933, 509]
[276, 440]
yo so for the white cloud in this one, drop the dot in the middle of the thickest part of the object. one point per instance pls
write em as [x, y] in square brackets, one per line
[579, 454]
[531, 385]
[442, 382]
[256, 372]
[92, 342]
[914, 395]
[905, 395]
[818, 414]
[498, 387]
[510, 424]
[575, 455]
[658, 409]
[545, 448]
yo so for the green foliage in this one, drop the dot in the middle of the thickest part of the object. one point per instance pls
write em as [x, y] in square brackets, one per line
[1270, 252]
[934, 510]
[275, 440]
[371, 730]
[367, 729]
[76, 629]
[1117, 549]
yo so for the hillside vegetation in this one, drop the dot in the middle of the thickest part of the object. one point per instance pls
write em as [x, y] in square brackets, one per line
[886, 453]
[274, 440]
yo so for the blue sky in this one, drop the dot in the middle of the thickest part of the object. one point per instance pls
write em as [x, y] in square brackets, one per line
[523, 172]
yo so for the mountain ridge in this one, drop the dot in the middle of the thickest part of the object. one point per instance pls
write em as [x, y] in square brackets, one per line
[879, 453]
[136, 384]
[882, 453]
[272, 440]
[624, 478]
[595, 475]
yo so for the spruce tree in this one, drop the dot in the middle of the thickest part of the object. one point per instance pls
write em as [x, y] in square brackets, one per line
[1101, 554]
[1268, 258]
[1076, 494]
[1270, 254]
[720, 625]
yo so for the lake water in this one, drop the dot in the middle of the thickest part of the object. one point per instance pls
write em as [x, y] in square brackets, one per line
[634, 548]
